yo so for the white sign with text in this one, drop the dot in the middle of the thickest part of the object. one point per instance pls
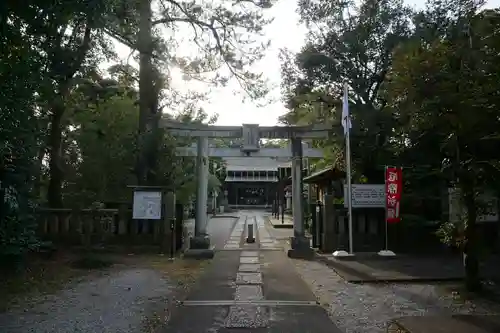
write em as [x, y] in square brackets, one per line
[366, 196]
[147, 205]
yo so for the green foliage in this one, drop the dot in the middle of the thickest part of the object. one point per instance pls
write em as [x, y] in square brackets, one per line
[423, 96]
[109, 126]
[18, 139]
[69, 135]
[347, 43]
[452, 233]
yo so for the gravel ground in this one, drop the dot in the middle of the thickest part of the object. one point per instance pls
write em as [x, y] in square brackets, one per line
[119, 302]
[367, 308]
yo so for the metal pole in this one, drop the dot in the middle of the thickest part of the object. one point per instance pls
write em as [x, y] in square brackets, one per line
[386, 224]
[283, 199]
[172, 237]
[349, 182]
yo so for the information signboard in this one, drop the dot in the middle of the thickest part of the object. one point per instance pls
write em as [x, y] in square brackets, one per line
[366, 196]
[147, 205]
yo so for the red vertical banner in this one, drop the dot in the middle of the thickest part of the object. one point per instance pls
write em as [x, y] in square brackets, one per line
[393, 188]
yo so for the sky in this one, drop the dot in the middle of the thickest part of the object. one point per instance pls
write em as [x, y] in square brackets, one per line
[284, 32]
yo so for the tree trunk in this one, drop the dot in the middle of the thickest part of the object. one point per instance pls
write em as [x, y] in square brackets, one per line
[147, 109]
[54, 194]
[37, 188]
[470, 255]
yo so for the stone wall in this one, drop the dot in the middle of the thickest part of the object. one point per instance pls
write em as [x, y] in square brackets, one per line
[106, 229]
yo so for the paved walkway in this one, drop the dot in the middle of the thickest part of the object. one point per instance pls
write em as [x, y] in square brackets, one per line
[251, 288]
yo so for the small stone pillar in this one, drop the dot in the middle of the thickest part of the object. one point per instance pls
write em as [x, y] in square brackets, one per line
[288, 201]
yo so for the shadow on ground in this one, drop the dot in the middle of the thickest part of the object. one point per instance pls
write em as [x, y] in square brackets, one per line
[373, 269]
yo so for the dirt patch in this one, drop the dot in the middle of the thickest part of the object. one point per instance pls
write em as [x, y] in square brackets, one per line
[489, 294]
[97, 292]
[40, 276]
[184, 274]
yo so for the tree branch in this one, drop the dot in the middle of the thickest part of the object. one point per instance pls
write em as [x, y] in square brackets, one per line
[190, 19]
[82, 52]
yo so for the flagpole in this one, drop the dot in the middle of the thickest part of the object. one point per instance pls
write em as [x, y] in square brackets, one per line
[348, 167]
[386, 223]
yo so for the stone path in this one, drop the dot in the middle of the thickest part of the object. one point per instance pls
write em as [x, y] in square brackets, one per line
[251, 288]
[266, 241]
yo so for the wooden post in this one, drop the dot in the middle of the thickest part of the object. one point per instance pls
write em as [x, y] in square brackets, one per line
[122, 219]
[328, 236]
[167, 244]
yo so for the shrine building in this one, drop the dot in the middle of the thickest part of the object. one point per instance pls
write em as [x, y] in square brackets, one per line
[253, 182]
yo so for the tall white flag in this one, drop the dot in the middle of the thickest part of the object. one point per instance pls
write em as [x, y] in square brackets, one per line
[346, 118]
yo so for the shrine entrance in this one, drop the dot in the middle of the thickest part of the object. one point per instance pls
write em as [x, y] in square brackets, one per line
[249, 194]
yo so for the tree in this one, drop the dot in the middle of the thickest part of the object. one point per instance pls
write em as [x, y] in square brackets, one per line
[102, 115]
[224, 35]
[64, 37]
[19, 133]
[58, 111]
[442, 89]
[353, 44]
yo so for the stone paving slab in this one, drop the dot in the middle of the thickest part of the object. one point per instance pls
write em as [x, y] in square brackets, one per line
[247, 316]
[239, 330]
[249, 253]
[248, 278]
[249, 260]
[220, 230]
[218, 282]
[300, 319]
[370, 269]
[255, 268]
[281, 281]
[197, 319]
[248, 293]
[268, 319]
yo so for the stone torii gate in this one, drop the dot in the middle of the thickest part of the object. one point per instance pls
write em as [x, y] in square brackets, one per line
[251, 135]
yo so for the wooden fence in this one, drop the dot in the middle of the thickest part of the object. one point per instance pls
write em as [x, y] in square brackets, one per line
[103, 228]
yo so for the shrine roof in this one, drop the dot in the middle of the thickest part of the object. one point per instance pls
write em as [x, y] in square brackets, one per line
[330, 173]
[254, 164]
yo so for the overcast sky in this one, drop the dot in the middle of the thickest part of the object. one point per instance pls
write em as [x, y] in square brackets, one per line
[284, 31]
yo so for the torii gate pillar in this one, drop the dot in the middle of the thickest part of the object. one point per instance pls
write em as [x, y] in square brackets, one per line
[301, 247]
[201, 241]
